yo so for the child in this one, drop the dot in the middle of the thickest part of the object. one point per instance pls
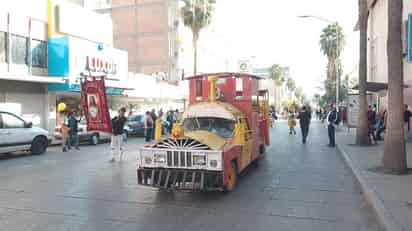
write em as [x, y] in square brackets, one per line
[291, 123]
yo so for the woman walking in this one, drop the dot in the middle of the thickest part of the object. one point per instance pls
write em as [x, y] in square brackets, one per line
[291, 123]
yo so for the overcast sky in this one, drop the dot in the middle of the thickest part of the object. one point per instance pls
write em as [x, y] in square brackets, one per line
[271, 31]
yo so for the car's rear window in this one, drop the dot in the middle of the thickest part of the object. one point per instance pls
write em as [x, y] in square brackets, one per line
[135, 118]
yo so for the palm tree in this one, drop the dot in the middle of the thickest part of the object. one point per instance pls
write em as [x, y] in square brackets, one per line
[196, 15]
[290, 84]
[394, 158]
[278, 74]
[362, 128]
[332, 41]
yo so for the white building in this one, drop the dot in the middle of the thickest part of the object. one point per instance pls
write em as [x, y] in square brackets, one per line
[23, 59]
[377, 48]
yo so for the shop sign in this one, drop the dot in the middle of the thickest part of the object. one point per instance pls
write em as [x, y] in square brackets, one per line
[98, 64]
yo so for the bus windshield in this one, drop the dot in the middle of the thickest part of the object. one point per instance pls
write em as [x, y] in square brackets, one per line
[221, 127]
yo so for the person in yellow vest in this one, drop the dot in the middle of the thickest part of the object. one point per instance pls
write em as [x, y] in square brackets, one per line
[291, 123]
[62, 121]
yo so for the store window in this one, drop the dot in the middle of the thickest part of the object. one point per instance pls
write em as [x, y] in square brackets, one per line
[3, 47]
[38, 53]
[18, 49]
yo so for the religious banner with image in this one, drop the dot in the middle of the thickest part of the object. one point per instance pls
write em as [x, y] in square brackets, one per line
[94, 103]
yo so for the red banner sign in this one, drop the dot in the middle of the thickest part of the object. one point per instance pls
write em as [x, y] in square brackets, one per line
[94, 102]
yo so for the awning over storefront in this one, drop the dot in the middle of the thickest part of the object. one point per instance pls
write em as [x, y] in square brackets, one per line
[375, 86]
[34, 79]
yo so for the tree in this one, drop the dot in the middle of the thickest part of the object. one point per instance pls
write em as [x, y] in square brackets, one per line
[196, 15]
[362, 128]
[290, 84]
[394, 158]
[278, 74]
[300, 96]
[332, 41]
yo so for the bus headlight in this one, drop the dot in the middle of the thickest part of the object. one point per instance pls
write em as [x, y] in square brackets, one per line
[159, 158]
[213, 163]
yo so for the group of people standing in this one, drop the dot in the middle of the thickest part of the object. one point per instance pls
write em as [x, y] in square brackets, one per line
[377, 123]
[69, 127]
[166, 120]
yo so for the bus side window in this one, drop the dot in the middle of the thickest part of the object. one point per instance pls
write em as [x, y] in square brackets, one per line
[239, 87]
[199, 89]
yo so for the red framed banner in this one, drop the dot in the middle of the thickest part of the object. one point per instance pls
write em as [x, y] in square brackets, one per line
[94, 102]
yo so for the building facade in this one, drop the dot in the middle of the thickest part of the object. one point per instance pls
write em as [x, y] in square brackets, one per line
[44, 51]
[23, 60]
[148, 30]
[81, 46]
[377, 48]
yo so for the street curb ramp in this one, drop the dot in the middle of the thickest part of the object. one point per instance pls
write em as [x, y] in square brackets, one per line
[385, 218]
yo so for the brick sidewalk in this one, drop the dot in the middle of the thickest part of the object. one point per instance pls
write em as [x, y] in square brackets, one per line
[389, 195]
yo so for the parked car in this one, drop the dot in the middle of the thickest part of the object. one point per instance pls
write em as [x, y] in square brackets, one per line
[18, 135]
[85, 136]
[134, 125]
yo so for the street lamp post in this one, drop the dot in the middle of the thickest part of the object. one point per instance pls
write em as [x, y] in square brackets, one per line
[337, 52]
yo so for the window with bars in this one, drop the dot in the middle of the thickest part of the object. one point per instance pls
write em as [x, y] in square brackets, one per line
[3, 47]
[19, 49]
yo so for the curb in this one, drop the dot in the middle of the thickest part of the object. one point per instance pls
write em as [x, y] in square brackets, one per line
[384, 217]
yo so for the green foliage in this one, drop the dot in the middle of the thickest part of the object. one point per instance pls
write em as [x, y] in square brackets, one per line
[279, 74]
[330, 91]
[197, 14]
[290, 84]
[332, 42]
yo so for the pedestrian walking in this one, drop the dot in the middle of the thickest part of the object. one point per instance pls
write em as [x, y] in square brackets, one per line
[169, 119]
[73, 125]
[62, 120]
[333, 120]
[117, 135]
[154, 118]
[304, 121]
[292, 123]
[371, 114]
[407, 118]
[381, 127]
[148, 127]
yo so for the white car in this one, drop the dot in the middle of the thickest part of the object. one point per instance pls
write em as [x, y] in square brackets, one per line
[19, 135]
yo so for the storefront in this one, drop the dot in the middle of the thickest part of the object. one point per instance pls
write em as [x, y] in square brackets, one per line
[23, 64]
[77, 49]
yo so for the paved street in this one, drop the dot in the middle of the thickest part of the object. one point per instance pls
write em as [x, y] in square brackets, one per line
[297, 187]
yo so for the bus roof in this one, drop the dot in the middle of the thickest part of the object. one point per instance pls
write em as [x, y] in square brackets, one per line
[224, 75]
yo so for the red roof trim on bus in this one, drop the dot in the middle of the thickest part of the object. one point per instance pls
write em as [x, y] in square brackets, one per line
[223, 75]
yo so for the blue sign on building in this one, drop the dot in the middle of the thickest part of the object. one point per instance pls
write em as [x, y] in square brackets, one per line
[410, 38]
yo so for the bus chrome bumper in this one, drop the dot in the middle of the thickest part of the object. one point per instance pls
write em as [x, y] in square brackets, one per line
[181, 179]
